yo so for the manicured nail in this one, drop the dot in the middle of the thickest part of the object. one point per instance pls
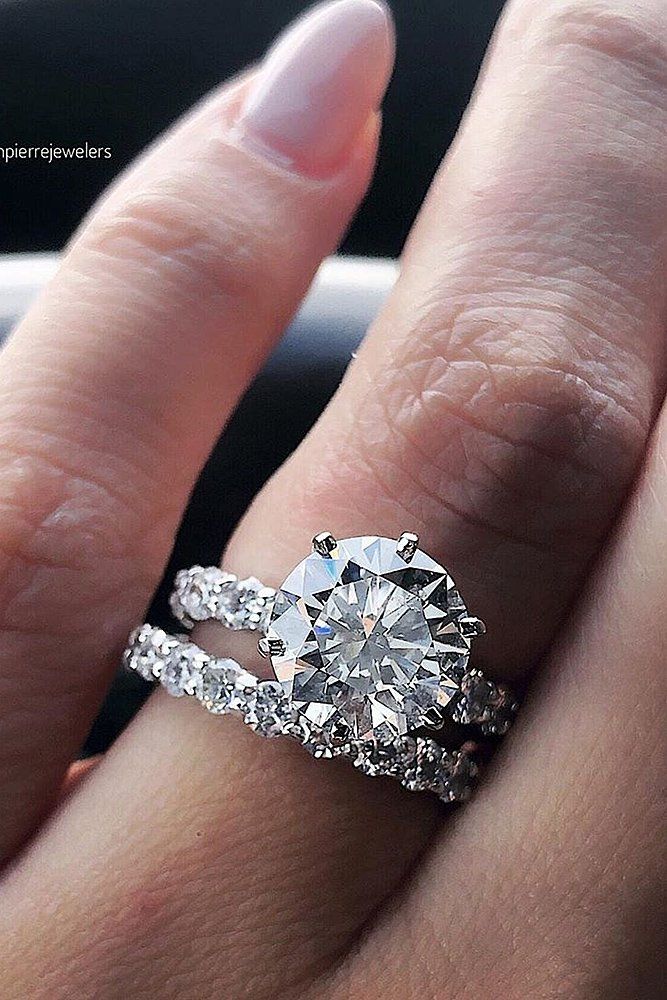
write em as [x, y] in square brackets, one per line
[319, 84]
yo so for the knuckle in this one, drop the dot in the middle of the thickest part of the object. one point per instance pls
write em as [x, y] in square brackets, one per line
[509, 427]
[171, 228]
[623, 30]
[72, 547]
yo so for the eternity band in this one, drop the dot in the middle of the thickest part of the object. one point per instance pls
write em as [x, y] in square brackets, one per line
[222, 686]
[369, 641]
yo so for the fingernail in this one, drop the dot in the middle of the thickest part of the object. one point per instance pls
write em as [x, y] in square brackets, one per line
[318, 85]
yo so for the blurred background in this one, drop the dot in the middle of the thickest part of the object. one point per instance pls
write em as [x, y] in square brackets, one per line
[115, 73]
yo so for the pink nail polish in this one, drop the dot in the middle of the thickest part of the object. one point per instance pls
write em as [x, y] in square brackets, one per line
[318, 85]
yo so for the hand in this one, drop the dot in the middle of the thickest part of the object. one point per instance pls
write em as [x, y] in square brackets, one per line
[501, 406]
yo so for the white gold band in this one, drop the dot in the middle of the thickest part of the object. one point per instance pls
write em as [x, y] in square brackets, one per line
[222, 686]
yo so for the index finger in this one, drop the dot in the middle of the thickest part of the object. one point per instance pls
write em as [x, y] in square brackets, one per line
[113, 389]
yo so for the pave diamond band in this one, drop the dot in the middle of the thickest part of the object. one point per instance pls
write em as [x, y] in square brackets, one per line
[207, 593]
[222, 686]
[369, 640]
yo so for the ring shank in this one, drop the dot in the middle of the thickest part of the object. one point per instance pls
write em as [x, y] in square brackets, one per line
[222, 686]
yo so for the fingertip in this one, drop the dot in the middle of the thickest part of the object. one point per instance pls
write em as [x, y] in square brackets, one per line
[318, 86]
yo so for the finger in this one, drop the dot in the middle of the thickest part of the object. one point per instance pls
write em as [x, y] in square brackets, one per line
[115, 386]
[502, 401]
[566, 896]
[507, 390]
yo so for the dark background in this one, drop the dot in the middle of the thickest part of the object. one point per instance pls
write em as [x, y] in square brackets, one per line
[116, 72]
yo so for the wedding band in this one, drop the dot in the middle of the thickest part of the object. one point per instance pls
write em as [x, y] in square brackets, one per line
[369, 640]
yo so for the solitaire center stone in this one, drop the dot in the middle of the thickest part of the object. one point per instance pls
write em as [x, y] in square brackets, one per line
[369, 642]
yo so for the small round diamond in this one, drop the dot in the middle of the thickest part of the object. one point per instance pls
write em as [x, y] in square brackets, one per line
[391, 759]
[248, 604]
[484, 703]
[244, 687]
[217, 687]
[206, 592]
[421, 765]
[147, 651]
[183, 669]
[449, 774]
[230, 605]
[425, 771]
[268, 711]
[461, 773]
[324, 745]
[197, 593]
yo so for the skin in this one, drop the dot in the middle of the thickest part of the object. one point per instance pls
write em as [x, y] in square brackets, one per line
[507, 404]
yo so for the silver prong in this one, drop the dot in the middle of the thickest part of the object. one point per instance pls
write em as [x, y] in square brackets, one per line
[406, 546]
[340, 731]
[270, 647]
[434, 718]
[324, 543]
[470, 626]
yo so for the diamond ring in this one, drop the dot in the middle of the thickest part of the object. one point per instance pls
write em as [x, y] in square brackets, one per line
[369, 641]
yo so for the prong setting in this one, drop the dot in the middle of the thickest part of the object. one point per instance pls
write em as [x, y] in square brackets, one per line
[270, 647]
[340, 731]
[434, 718]
[407, 545]
[470, 626]
[324, 543]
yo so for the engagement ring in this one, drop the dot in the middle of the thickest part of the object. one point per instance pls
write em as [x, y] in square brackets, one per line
[369, 641]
